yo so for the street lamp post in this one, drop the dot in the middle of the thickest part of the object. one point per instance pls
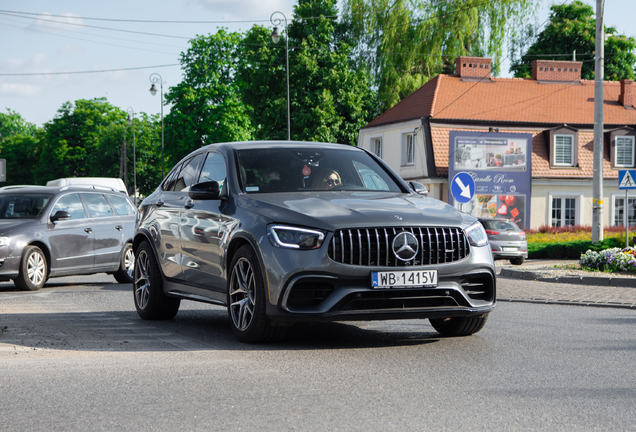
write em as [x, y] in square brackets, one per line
[276, 37]
[131, 118]
[156, 78]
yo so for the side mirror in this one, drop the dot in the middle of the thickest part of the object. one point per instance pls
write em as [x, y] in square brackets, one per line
[205, 191]
[60, 215]
[418, 188]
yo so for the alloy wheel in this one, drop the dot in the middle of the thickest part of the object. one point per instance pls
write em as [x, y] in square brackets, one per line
[242, 294]
[35, 268]
[142, 280]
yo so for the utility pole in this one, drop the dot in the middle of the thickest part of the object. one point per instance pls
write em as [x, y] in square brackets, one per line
[599, 72]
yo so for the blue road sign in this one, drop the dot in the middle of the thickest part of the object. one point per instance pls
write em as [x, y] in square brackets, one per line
[463, 187]
[627, 179]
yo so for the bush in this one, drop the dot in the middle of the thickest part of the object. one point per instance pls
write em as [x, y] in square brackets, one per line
[570, 249]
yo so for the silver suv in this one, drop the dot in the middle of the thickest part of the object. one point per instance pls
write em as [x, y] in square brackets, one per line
[279, 232]
[62, 231]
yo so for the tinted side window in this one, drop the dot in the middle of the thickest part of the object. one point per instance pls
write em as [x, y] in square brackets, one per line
[122, 206]
[168, 185]
[188, 174]
[72, 204]
[97, 205]
[213, 169]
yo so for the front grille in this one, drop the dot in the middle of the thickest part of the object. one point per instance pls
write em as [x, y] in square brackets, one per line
[396, 300]
[373, 246]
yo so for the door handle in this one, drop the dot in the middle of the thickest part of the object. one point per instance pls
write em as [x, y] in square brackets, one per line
[119, 227]
[88, 230]
[189, 204]
[159, 203]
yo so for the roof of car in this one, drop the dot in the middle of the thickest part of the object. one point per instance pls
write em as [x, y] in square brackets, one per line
[55, 189]
[277, 144]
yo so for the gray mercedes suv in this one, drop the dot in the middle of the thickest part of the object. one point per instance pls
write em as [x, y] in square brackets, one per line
[280, 232]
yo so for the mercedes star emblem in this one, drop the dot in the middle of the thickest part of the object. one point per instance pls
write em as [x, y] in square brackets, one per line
[405, 246]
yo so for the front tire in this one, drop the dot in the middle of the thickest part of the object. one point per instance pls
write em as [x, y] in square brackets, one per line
[459, 326]
[246, 300]
[127, 265]
[33, 270]
[150, 301]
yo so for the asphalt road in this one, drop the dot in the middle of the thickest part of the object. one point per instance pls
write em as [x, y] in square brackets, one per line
[75, 356]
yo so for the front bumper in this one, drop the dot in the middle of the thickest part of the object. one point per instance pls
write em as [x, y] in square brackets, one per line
[317, 288]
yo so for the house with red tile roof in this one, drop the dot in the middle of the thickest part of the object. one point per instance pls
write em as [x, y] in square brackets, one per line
[554, 110]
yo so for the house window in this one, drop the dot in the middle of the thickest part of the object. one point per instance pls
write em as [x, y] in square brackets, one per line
[563, 212]
[376, 147]
[408, 150]
[564, 150]
[619, 211]
[624, 156]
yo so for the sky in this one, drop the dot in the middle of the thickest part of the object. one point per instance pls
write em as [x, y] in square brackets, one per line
[113, 52]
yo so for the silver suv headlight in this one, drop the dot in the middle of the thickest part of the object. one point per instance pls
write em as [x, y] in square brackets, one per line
[295, 238]
[5, 241]
[477, 234]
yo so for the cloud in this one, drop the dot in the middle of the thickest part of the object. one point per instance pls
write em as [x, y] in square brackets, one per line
[11, 89]
[241, 10]
[67, 49]
[68, 22]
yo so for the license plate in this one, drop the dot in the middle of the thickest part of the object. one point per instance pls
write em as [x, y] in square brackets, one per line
[401, 279]
[509, 249]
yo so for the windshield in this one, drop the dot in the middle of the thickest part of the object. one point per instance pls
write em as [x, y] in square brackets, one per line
[500, 225]
[25, 206]
[306, 169]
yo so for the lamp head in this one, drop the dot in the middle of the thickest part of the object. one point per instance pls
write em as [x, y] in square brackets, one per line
[153, 89]
[276, 35]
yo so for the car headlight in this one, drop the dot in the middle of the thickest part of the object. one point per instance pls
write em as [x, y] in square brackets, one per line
[477, 234]
[5, 241]
[294, 237]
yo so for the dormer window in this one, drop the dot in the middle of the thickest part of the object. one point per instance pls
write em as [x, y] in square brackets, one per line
[622, 147]
[564, 150]
[624, 151]
[563, 147]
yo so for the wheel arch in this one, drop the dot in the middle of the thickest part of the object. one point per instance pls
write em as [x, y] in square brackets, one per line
[45, 250]
[239, 240]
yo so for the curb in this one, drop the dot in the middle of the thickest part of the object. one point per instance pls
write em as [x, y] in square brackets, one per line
[577, 280]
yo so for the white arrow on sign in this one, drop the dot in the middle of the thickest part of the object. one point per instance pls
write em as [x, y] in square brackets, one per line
[465, 189]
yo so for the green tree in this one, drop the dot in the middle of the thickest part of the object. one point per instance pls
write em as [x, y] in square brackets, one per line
[12, 123]
[330, 96]
[407, 42]
[206, 105]
[20, 147]
[73, 135]
[572, 28]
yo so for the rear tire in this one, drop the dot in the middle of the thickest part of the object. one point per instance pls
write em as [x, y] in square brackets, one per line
[150, 301]
[33, 270]
[127, 266]
[459, 326]
[246, 300]
[516, 261]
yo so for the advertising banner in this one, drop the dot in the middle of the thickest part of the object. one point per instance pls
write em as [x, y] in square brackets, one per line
[501, 166]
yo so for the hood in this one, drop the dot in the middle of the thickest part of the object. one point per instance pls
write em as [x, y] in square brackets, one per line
[333, 210]
[7, 225]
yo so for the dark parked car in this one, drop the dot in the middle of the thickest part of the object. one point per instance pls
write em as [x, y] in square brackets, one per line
[507, 240]
[287, 231]
[62, 231]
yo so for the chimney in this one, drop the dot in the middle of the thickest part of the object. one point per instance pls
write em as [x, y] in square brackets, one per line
[555, 71]
[626, 97]
[472, 67]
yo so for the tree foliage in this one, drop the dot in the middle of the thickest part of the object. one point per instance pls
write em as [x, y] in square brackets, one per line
[572, 28]
[407, 42]
[206, 104]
